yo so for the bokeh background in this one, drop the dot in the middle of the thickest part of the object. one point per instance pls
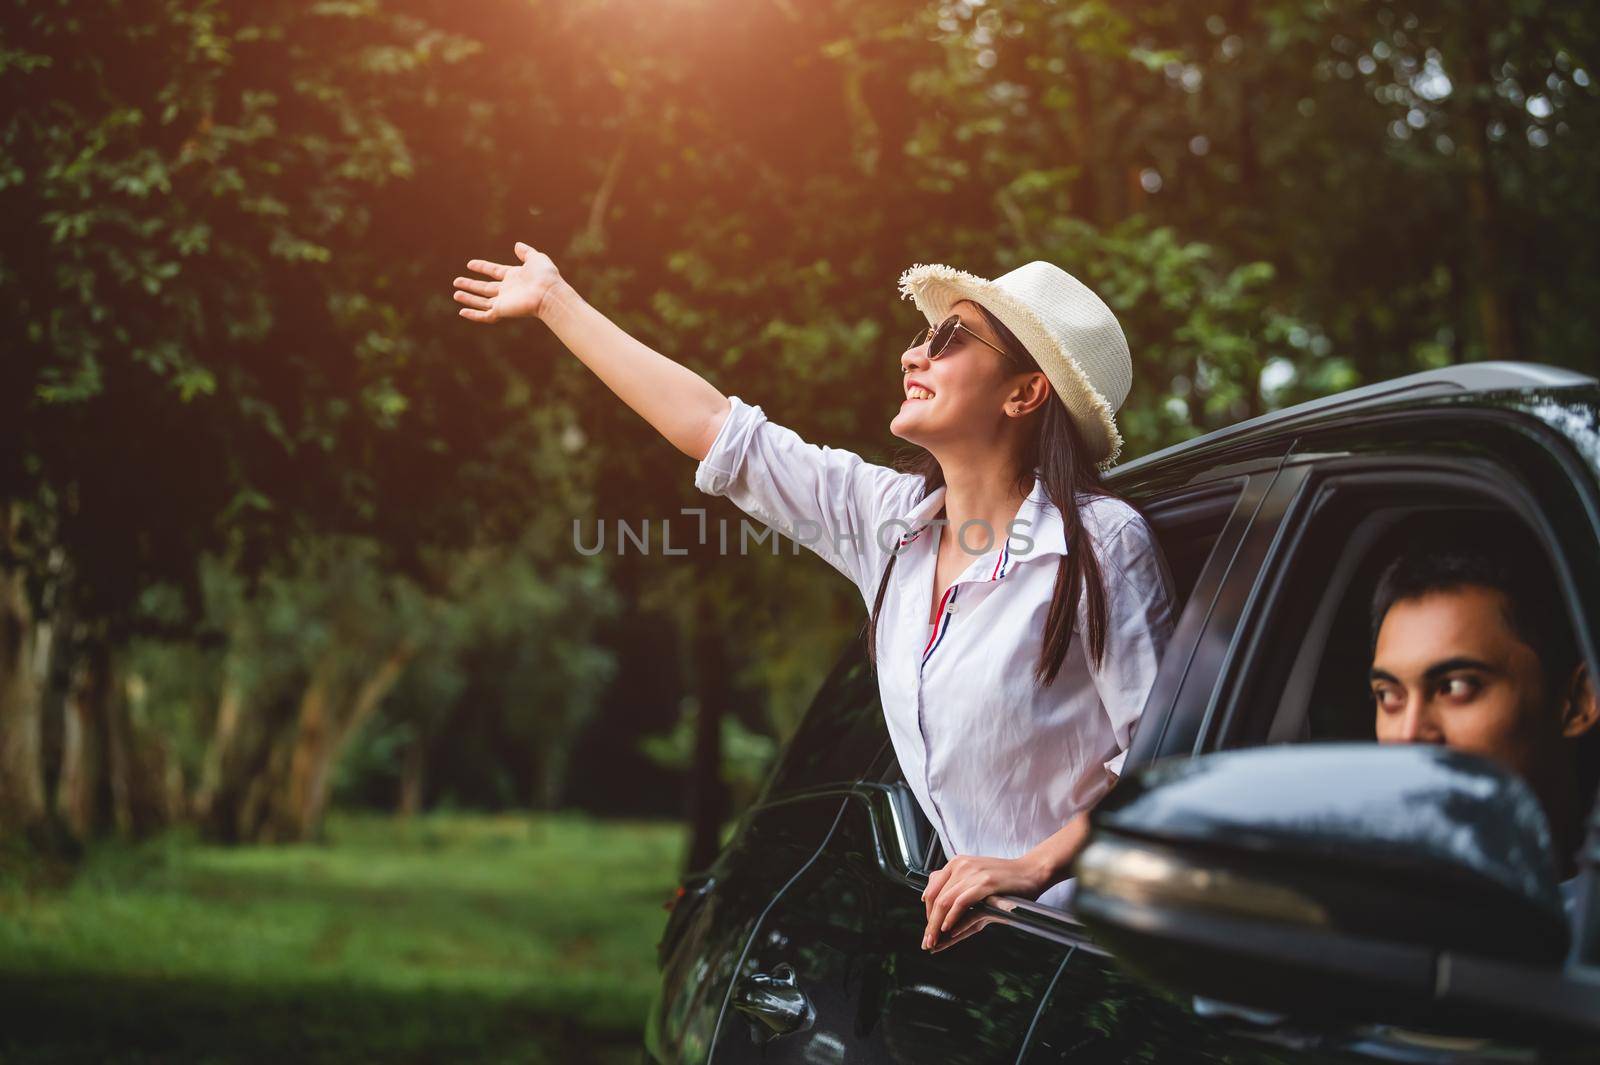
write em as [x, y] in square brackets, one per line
[320, 739]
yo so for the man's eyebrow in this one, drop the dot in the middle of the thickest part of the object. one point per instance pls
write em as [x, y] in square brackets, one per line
[1439, 669]
[1450, 665]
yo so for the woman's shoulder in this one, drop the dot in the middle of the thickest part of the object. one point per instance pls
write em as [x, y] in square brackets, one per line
[1106, 515]
[1124, 540]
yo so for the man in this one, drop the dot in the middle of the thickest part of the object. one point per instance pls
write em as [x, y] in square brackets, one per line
[1472, 649]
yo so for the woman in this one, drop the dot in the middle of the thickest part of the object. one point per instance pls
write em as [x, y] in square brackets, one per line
[978, 565]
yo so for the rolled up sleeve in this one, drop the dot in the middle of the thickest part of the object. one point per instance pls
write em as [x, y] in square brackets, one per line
[1138, 627]
[826, 499]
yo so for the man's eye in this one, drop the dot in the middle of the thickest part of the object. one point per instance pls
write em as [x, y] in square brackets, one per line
[1386, 696]
[1460, 687]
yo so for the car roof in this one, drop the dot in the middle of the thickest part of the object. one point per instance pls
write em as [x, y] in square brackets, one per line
[1466, 378]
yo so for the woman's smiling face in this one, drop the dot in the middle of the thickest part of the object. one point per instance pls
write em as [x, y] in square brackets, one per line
[961, 394]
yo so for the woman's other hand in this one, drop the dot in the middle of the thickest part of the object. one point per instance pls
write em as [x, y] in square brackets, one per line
[967, 881]
[515, 291]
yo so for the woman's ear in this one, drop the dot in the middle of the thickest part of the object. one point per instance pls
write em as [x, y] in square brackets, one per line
[1032, 393]
[1582, 709]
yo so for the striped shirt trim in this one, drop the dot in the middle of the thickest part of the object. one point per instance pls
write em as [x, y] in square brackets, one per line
[937, 636]
[1001, 563]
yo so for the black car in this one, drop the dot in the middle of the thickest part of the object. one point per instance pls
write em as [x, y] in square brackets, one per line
[1245, 896]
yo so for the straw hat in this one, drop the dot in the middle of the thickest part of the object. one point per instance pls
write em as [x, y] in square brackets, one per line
[1069, 331]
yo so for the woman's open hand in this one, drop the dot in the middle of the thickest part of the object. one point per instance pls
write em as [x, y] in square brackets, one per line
[516, 291]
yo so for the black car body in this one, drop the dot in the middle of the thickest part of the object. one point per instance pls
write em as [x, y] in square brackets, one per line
[801, 943]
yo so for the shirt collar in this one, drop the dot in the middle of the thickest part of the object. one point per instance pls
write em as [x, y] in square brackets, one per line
[1044, 525]
[1038, 518]
[914, 523]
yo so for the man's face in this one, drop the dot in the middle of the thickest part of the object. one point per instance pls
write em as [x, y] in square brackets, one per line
[1449, 669]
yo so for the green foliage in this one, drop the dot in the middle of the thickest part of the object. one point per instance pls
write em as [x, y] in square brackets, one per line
[192, 191]
[746, 755]
[505, 637]
[510, 670]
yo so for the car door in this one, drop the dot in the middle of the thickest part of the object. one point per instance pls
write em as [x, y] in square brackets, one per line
[711, 922]
[843, 947]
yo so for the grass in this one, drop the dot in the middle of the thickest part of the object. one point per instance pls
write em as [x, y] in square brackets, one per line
[449, 938]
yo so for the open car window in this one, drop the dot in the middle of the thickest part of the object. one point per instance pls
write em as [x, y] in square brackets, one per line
[1304, 672]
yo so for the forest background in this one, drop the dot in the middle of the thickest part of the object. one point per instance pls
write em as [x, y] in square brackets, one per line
[279, 533]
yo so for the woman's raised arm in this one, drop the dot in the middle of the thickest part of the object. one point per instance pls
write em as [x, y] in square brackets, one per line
[682, 406]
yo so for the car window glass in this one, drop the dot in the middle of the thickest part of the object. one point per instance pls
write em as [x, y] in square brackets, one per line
[1187, 526]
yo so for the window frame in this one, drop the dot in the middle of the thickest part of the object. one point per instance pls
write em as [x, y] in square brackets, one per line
[1204, 634]
[1466, 479]
[1256, 636]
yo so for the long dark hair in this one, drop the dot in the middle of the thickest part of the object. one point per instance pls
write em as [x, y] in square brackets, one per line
[1054, 446]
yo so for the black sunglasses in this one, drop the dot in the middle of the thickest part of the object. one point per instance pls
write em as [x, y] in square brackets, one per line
[938, 338]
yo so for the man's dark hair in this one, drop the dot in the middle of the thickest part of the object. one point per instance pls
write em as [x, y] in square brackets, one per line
[1496, 554]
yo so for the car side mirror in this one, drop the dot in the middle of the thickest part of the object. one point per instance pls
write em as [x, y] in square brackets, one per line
[1393, 884]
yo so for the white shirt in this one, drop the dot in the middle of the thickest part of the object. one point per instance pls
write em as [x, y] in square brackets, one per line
[997, 763]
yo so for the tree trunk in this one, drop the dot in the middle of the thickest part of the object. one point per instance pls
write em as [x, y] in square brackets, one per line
[1495, 322]
[312, 792]
[1087, 149]
[257, 802]
[413, 777]
[313, 739]
[52, 652]
[219, 771]
[553, 768]
[329, 715]
[708, 795]
[139, 783]
[83, 792]
[22, 797]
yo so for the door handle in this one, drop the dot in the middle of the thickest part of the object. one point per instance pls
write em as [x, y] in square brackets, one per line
[773, 1003]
